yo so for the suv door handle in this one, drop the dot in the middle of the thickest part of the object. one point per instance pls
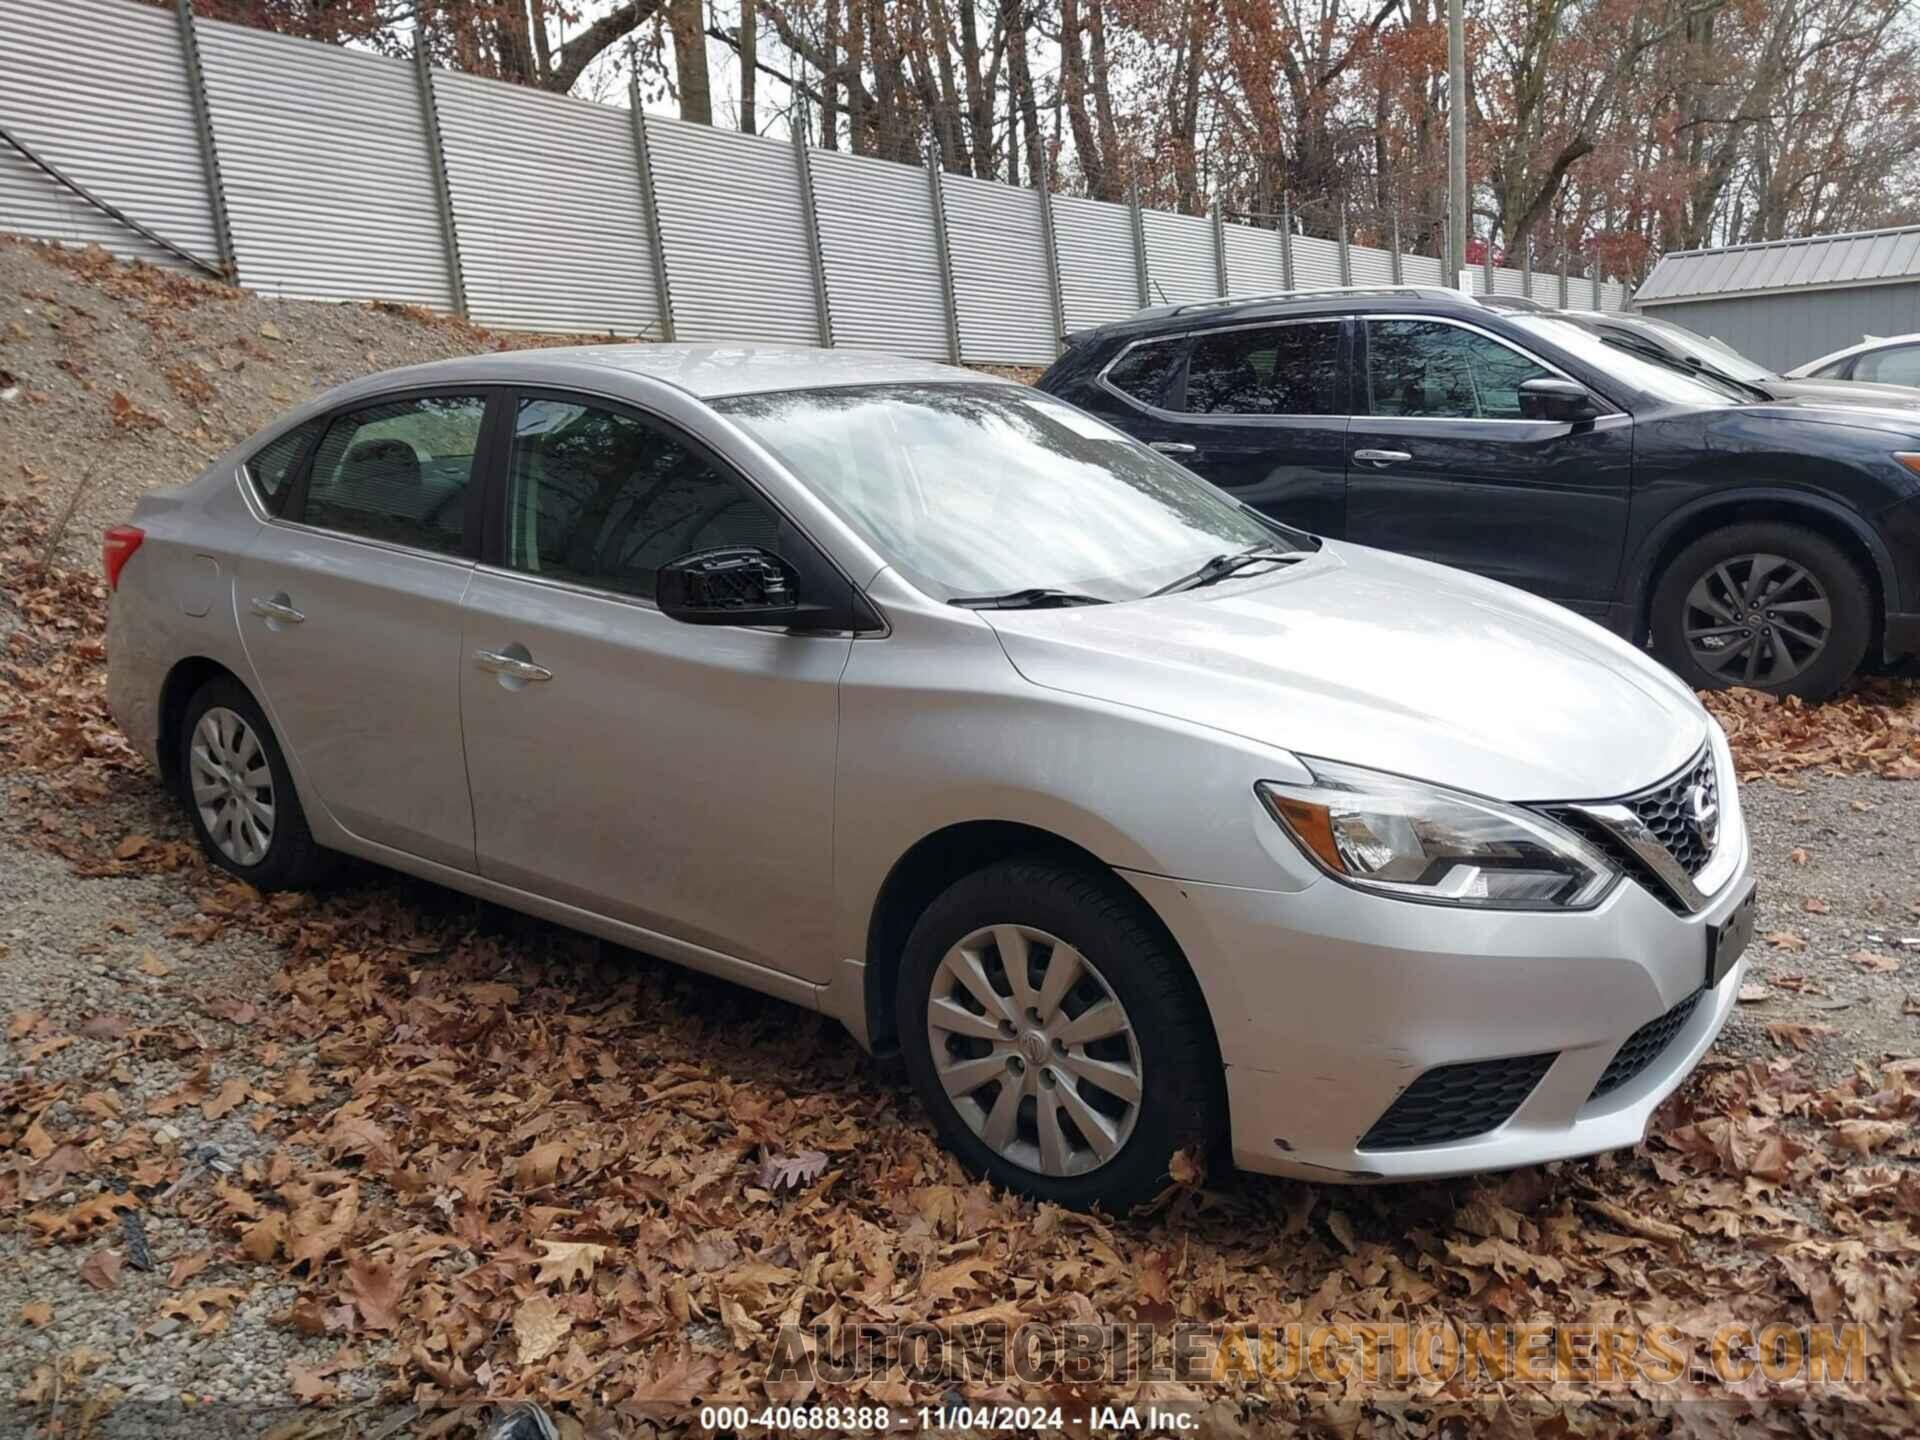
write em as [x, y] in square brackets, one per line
[514, 667]
[277, 608]
[1381, 457]
[1173, 447]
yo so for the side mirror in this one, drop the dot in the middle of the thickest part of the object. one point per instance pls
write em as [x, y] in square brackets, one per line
[1550, 398]
[729, 585]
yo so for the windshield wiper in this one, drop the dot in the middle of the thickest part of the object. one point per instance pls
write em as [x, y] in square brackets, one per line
[1221, 566]
[1034, 597]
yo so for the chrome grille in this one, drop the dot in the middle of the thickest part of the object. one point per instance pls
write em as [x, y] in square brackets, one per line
[1680, 815]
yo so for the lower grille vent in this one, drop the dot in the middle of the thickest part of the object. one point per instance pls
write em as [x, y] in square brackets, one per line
[1455, 1102]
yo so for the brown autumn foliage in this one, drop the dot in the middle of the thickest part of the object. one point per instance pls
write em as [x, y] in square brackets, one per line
[515, 1166]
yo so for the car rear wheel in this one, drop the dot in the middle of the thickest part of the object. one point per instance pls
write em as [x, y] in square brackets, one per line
[1765, 605]
[239, 793]
[1055, 1036]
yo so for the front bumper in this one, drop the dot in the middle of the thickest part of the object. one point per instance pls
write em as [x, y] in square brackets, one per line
[1902, 636]
[1330, 1002]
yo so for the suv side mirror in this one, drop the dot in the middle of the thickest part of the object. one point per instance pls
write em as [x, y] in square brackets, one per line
[730, 585]
[1548, 397]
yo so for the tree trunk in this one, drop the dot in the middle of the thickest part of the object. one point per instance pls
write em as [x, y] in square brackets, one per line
[749, 58]
[684, 21]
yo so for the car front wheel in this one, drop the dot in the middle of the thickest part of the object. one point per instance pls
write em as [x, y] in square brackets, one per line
[1765, 605]
[1055, 1035]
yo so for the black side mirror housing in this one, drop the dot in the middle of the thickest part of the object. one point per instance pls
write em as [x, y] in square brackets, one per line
[1548, 397]
[731, 585]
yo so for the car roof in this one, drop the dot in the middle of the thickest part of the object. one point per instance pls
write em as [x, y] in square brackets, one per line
[1878, 342]
[708, 371]
[1287, 304]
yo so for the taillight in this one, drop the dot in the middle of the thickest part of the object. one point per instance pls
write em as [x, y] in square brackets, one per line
[117, 548]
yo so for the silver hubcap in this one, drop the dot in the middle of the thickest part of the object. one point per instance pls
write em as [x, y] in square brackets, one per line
[1757, 620]
[1034, 1049]
[232, 786]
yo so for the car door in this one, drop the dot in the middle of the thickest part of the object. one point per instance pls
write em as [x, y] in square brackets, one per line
[670, 776]
[1442, 464]
[1267, 415]
[349, 608]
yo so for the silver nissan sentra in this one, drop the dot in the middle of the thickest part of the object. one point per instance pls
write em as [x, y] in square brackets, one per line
[1135, 821]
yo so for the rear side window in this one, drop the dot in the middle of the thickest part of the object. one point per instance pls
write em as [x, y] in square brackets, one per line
[1146, 371]
[604, 498]
[1430, 368]
[398, 472]
[275, 465]
[1267, 370]
[1897, 365]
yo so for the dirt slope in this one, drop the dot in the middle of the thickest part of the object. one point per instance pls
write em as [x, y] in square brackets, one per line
[142, 375]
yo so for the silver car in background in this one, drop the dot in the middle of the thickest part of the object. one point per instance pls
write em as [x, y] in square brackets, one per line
[1136, 821]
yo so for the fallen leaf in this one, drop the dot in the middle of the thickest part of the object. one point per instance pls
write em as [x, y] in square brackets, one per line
[567, 1261]
[539, 1327]
[1753, 992]
[1798, 855]
[1814, 905]
[789, 1172]
[188, 1266]
[1786, 940]
[231, 1095]
[1874, 962]
[38, 1314]
[102, 1270]
[152, 964]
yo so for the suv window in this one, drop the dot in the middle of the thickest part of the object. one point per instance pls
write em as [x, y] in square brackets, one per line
[1430, 368]
[1267, 370]
[604, 498]
[1145, 371]
[274, 465]
[1896, 365]
[398, 471]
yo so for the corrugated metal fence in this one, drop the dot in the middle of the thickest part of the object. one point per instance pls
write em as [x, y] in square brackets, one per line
[317, 173]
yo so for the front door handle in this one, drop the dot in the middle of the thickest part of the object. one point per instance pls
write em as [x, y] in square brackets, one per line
[277, 609]
[511, 667]
[1173, 447]
[1381, 457]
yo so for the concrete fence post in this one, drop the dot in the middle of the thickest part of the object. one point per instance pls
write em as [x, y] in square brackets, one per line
[650, 209]
[1593, 274]
[1219, 249]
[437, 162]
[937, 191]
[1286, 242]
[1393, 240]
[1526, 267]
[810, 212]
[1050, 239]
[1563, 276]
[1142, 276]
[1486, 263]
[203, 134]
[1346, 250]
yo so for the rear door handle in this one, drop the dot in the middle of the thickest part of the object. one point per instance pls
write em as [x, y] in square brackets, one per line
[278, 608]
[514, 667]
[1173, 447]
[1381, 457]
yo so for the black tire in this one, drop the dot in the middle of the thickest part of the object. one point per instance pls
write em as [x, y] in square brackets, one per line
[1703, 570]
[1181, 1103]
[291, 859]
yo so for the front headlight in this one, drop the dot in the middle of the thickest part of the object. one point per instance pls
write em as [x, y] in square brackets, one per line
[1419, 842]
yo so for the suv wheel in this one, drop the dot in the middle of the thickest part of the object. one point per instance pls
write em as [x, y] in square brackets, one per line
[239, 792]
[1055, 1037]
[1765, 605]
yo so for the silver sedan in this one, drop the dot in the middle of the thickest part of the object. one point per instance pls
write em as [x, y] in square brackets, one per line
[1138, 822]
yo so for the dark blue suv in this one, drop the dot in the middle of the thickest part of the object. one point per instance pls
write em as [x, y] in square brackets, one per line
[1770, 544]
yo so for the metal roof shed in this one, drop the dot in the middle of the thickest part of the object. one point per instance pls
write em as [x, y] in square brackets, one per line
[1784, 302]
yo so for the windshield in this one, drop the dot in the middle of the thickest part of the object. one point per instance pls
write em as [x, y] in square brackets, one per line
[1710, 351]
[973, 490]
[1664, 382]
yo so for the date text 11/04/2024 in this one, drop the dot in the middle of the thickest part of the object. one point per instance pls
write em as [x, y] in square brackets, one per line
[873, 1419]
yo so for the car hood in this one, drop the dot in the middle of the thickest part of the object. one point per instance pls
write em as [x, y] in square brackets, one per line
[1379, 660]
[1847, 392]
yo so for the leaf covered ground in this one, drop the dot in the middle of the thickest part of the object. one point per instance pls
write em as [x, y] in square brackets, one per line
[380, 1148]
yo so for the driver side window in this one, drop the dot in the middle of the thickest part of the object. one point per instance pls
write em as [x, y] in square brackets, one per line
[605, 498]
[1432, 369]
